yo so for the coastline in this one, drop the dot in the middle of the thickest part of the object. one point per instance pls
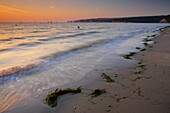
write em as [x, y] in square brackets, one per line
[140, 86]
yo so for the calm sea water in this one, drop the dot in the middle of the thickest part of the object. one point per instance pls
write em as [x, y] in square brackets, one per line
[38, 56]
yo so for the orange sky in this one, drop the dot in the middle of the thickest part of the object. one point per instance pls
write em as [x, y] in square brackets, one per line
[16, 14]
[64, 10]
[46, 13]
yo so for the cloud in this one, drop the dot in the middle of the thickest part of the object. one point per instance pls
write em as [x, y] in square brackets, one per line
[7, 9]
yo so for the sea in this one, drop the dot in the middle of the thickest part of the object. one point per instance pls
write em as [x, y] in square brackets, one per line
[35, 57]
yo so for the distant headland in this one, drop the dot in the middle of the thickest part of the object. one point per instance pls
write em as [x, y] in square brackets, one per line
[139, 19]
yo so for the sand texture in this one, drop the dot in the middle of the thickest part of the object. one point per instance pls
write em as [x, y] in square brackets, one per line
[143, 88]
[140, 85]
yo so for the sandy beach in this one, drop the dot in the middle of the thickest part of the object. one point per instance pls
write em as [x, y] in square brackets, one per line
[140, 84]
[84, 56]
[143, 88]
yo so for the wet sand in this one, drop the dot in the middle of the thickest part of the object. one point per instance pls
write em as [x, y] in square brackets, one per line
[142, 85]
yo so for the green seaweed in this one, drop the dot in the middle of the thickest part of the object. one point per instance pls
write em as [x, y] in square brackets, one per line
[132, 53]
[140, 63]
[127, 56]
[107, 77]
[118, 100]
[137, 78]
[138, 91]
[153, 35]
[51, 98]
[142, 66]
[97, 92]
[143, 49]
[147, 40]
[145, 43]
[148, 77]
[139, 72]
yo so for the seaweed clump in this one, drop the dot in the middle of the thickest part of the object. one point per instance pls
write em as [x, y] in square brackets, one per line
[51, 98]
[127, 56]
[107, 78]
[137, 47]
[145, 43]
[97, 92]
[138, 91]
[118, 100]
[137, 79]
[147, 40]
[143, 49]
[139, 72]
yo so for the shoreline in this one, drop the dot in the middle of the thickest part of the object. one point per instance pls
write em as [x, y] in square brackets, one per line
[128, 93]
[142, 88]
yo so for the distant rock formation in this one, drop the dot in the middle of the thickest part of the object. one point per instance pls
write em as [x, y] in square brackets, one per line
[141, 19]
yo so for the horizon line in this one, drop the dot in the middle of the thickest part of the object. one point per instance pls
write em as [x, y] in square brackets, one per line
[83, 19]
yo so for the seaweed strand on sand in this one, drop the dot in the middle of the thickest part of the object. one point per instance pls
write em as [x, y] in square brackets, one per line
[51, 98]
[97, 92]
[128, 56]
[107, 77]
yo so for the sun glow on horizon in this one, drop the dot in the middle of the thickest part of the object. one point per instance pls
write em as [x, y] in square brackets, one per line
[9, 14]
[65, 10]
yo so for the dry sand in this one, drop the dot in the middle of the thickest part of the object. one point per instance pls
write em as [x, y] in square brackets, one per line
[142, 85]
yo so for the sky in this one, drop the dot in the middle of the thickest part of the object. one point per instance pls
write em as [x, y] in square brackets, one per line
[65, 10]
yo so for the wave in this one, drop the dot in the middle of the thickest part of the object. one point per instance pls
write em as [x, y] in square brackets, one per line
[30, 44]
[70, 36]
[82, 47]
[4, 50]
[11, 39]
[37, 31]
[8, 39]
[40, 41]
[20, 38]
[50, 57]
[13, 29]
[17, 69]
[48, 39]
